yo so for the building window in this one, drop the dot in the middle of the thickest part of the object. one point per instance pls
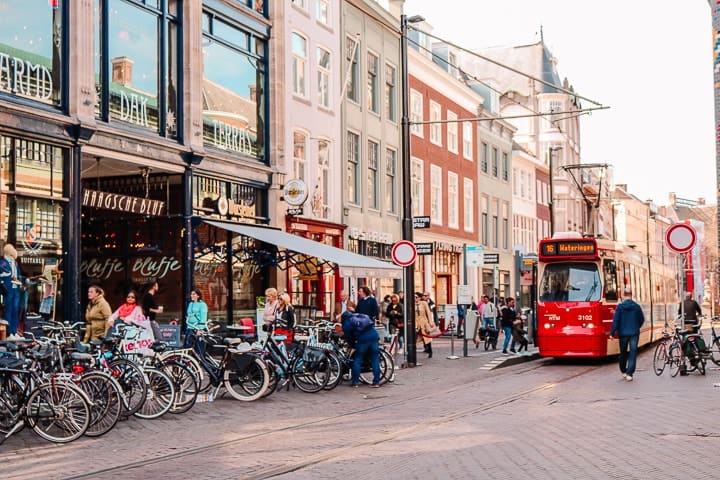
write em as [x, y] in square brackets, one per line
[31, 46]
[523, 180]
[352, 177]
[516, 182]
[468, 140]
[233, 89]
[452, 210]
[452, 132]
[322, 193]
[352, 47]
[505, 166]
[390, 106]
[372, 82]
[484, 220]
[372, 180]
[495, 162]
[485, 156]
[436, 195]
[436, 125]
[505, 225]
[417, 183]
[136, 71]
[299, 154]
[468, 205]
[299, 64]
[323, 77]
[495, 223]
[390, 182]
[300, 4]
[322, 11]
[416, 113]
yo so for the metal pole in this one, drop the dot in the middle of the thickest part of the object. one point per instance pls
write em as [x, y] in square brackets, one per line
[552, 198]
[407, 229]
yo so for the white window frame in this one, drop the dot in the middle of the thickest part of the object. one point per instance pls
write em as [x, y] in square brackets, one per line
[322, 15]
[416, 113]
[301, 4]
[323, 77]
[373, 177]
[300, 154]
[435, 128]
[373, 82]
[452, 132]
[468, 140]
[453, 200]
[352, 174]
[436, 195]
[390, 92]
[417, 185]
[299, 66]
[323, 181]
[391, 189]
[353, 67]
[468, 205]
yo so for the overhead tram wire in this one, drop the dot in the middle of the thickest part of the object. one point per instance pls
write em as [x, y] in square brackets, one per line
[573, 113]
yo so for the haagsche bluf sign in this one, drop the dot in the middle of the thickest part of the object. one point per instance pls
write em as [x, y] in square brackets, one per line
[123, 203]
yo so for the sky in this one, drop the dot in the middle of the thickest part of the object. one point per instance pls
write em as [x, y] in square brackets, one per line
[651, 62]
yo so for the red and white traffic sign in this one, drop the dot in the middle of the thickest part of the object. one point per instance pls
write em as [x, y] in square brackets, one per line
[680, 237]
[404, 253]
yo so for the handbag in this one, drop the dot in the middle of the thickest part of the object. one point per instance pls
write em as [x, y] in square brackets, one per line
[434, 331]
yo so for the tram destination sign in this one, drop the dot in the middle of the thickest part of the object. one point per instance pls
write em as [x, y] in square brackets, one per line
[567, 248]
[122, 203]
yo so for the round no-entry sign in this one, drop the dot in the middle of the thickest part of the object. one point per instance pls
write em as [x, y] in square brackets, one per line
[680, 237]
[404, 253]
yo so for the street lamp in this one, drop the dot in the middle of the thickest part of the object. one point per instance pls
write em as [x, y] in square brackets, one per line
[407, 228]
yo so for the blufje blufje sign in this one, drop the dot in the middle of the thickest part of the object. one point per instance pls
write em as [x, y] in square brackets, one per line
[122, 203]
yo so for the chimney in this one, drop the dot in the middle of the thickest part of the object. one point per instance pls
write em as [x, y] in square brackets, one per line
[701, 201]
[672, 198]
[122, 70]
[253, 93]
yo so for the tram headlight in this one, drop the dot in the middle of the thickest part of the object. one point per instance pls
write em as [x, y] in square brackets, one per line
[590, 325]
[547, 325]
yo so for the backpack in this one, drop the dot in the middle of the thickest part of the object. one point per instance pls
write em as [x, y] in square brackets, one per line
[362, 322]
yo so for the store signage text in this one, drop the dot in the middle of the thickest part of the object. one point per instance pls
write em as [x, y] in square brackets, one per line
[20, 76]
[124, 203]
[149, 267]
[380, 237]
[133, 109]
[232, 138]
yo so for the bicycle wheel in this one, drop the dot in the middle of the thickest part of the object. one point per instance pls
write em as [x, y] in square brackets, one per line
[701, 365]
[660, 358]
[310, 378]
[203, 379]
[387, 370]
[106, 397]
[488, 342]
[335, 370]
[715, 351]
[11, 395]
[132, 381]
[58, 412]
[160, 395]
[185, 384]
[675, 359]
[246, 377]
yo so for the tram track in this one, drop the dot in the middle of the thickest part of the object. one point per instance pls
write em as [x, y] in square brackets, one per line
[333, 453]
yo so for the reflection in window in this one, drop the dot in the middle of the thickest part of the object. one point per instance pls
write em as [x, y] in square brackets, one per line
[351, 55]
[233, 91]
[31, 167]
[323, 77]
[322, 11]
[390, 182]
[352, 176]
[136, 73]
[322, 189]
[299, 64]
[31, 49]
[373, 193]
[299, 154]
[570, 282]
[390, 108]
[372, 82]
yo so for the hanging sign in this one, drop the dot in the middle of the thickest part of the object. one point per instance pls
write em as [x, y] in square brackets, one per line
[122, 203]
[295, 192]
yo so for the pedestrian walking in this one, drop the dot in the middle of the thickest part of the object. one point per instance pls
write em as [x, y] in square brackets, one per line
[433, 308]
[519, 334]
[424, 323]
[367, 303]
[691, 312]
[488, 313]
[96, 314]
[626, 324]
[508, 317]
[394, 313]
[151, 308]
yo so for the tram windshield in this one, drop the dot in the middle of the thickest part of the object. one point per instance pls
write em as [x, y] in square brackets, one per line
[570, 282]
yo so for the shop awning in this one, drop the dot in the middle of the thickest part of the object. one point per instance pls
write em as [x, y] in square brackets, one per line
[350, 264]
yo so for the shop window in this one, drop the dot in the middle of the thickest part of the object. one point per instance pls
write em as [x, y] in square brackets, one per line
[233, 89]
[136, 72]
[31, 45]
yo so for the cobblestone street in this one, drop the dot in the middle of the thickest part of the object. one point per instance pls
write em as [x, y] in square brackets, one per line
[445, 419]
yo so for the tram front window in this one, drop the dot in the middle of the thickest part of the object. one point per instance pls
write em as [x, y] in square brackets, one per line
[570, 282]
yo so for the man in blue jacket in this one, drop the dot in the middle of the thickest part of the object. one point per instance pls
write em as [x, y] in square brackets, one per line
[627, 321]
[360, 334]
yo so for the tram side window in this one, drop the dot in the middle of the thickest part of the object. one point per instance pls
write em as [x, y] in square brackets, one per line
[610, 274]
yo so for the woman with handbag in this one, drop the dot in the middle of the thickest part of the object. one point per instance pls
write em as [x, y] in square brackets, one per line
[424, 322]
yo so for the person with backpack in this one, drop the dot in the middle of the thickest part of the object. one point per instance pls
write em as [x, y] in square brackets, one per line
[360, 334]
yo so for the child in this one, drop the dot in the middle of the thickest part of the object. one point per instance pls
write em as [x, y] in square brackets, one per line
[519, 334]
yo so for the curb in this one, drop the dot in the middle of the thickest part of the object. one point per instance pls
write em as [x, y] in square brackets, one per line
[515, 359]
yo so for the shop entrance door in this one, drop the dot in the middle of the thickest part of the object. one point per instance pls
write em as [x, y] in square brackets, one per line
[443, 289]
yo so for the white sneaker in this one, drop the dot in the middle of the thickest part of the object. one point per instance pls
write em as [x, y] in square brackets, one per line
[628, 378]
[624, 375]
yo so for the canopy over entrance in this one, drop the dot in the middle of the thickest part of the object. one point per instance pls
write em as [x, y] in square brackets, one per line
[350, 264]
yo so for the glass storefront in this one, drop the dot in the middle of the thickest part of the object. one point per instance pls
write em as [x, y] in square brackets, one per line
[233, 88]
[137, 64]
[31, 218]
[31, 44]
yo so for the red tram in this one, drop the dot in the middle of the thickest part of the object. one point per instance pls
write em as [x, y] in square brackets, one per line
[580, 283]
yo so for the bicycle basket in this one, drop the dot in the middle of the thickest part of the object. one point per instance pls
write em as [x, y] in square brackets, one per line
[312, 357]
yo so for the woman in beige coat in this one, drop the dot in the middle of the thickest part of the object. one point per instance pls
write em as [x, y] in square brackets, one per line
[96, 315]
[424, 322]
